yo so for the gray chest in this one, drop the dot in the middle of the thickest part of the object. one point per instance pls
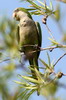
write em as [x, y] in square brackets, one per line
[27, 31]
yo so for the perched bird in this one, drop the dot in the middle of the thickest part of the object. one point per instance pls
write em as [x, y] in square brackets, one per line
[28, 36]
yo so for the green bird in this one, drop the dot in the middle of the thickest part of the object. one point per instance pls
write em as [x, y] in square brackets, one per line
[28, 36]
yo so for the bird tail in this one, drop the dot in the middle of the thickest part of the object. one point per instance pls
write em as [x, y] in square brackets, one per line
[34, 64]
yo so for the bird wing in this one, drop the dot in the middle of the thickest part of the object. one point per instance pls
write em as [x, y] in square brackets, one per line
[17, 34]
[39, 33]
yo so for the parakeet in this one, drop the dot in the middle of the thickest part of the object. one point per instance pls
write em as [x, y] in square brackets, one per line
[28, 36]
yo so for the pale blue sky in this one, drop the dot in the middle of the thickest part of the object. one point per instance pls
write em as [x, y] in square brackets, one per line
[7, 7]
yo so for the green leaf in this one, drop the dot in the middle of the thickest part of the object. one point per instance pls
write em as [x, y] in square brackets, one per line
[29, 87]
[30, 79]
[45, 64]
[33, 4]
[53, 41]
[24, 83]
[39, 76]
[41, 2]
[51, 6]
[35, 13]
[30, 9]
[28, 95]
[22, 94]
[57, 13]
[48, 59]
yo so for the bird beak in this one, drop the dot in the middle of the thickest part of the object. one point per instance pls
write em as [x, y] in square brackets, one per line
[14, 15]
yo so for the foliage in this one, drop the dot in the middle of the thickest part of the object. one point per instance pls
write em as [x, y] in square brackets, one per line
[47, 82]
[8, 51]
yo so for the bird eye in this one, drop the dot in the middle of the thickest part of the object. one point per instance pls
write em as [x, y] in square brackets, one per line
[16, 10]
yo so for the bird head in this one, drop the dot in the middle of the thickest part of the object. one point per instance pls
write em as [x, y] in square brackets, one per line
[21, 13]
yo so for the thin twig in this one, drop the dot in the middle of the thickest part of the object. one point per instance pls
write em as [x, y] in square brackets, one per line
[64, 74]
[37, 48]
[59, 59]
[49, 48]
[50, 32]
[4, 60]
[1, 61]
[64, 1]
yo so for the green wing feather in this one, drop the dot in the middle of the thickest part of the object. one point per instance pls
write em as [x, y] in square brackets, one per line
[17, 34]
[39, 35]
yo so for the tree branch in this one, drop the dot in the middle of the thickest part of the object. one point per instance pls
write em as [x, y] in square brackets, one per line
[59, 59]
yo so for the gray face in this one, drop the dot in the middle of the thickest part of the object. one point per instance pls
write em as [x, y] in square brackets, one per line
[19, 14]
[15, 14]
